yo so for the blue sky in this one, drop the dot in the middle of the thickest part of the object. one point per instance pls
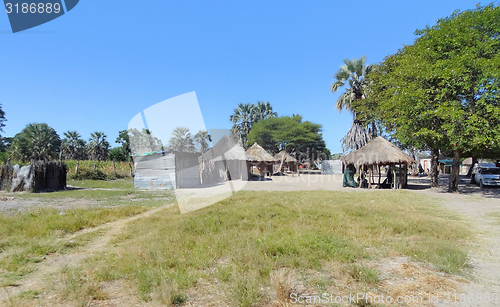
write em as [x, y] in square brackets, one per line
[99, 65]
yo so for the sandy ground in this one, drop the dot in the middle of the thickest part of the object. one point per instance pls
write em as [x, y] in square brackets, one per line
[473, 203]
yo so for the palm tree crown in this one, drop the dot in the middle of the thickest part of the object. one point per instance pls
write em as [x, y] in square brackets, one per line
[181, 140]
[353, 73]
[98, 146]
[202, 138]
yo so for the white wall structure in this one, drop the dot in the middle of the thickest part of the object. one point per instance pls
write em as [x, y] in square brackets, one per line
[331, 167]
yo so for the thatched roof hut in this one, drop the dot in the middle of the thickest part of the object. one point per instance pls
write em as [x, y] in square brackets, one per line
[378, 152]
[260, 153]
[288, 158]
[266, 161]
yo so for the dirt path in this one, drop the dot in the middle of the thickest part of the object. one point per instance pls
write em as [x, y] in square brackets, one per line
[52, 264]
[484, 259]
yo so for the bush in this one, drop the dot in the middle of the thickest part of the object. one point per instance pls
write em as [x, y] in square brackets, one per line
[88, 175]
[106, 167]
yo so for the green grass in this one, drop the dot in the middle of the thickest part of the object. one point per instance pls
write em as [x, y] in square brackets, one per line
[126, 183]
[241, 240]
[25, 238]
[495, 216]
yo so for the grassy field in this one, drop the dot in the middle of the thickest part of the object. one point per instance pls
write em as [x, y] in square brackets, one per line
[28, 235]
[253, 244]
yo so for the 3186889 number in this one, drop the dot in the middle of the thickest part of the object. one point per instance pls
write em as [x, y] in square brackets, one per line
[33, 8]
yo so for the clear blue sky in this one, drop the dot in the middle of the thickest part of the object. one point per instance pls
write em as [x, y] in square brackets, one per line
[99, 65]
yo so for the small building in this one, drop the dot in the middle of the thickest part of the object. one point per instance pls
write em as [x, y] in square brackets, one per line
[167, 170]
[226, 160]
[331, 167]
[265, 160]
[445, 166]
[286, 163]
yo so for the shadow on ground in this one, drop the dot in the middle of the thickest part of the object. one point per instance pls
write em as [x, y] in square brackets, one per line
[424, 183]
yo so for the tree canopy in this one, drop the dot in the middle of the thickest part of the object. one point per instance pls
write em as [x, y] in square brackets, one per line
[143, 141]
[35, 142]
[442, 91]
[73, 146]
[288, 133]
[247, 114]
[98, 146]
[181, 140]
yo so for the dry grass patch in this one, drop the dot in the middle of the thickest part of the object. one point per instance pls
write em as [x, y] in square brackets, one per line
[244, 245]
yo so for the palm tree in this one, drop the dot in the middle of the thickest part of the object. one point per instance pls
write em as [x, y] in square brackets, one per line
[354, 74]
[242, 119]
[263, 110]
[202, 138]
[73, 146]
[35, 142]
[98, 147]
[181, 140]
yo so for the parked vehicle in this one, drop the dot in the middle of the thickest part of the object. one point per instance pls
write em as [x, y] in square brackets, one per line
[486, 174]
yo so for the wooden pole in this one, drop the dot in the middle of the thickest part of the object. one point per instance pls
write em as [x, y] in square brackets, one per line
[379, 175]
[370, 177]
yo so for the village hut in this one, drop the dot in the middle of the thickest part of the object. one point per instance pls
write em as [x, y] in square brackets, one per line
[166, 170]
[285, 162]
[377, 153]
[265, 160]
[226, 160]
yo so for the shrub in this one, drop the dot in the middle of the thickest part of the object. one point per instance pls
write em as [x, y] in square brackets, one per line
[88, 175]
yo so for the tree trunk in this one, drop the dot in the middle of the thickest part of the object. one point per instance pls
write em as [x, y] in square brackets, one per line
[455, 172]
[434, 174]
[114, 167]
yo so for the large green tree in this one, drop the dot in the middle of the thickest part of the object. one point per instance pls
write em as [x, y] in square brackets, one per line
[291, 134]
[35, 142]
[443, 91]
[124, 140]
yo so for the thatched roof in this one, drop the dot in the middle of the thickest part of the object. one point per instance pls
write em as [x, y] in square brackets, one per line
[378, 152]
[260, 153]
[288, 158]
[226, 149]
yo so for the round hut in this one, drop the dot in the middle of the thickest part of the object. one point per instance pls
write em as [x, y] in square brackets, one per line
[286, 162]
[265, 160]
[377, 153]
